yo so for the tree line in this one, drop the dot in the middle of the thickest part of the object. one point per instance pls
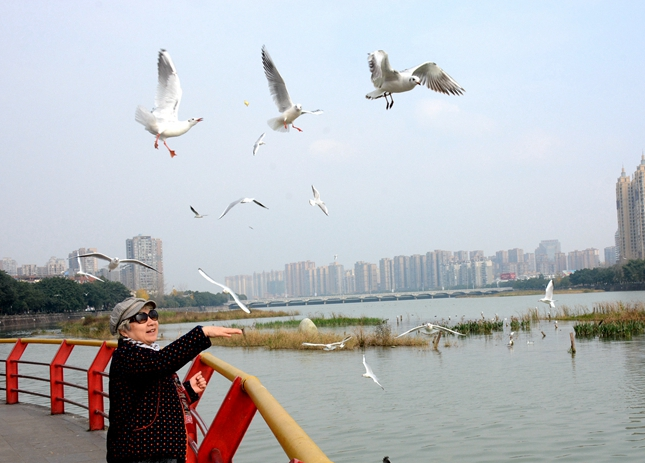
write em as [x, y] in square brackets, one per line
[59, 294]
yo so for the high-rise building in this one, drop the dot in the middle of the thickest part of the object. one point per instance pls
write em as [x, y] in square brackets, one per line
[630, 208]
[297, 279]
[336, 279]
[386, 270]
[401, 272]
[9, 265]
[366, 277]
[150, 251]
[611, 256]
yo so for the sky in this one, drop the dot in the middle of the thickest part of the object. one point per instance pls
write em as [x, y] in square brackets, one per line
[553, 110]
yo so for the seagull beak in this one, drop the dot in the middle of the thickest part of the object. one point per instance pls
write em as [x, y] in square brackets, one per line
[200, 119]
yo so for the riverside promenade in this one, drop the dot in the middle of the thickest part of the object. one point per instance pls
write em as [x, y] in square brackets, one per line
[31, 434]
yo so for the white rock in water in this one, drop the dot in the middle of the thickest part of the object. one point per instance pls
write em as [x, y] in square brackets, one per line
[307, 326]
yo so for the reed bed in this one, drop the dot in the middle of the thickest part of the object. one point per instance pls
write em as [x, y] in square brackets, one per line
[293, 339]
[479, 326]
[334, 321]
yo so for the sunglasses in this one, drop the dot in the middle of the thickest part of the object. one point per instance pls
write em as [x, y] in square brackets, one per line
[142, 317]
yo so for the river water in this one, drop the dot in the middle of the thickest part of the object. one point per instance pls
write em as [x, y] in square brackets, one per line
[474, 399]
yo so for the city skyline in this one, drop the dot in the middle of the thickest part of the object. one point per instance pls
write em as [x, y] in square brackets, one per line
[531, 150]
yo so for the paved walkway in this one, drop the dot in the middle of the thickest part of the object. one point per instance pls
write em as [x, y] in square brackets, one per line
[30, 434]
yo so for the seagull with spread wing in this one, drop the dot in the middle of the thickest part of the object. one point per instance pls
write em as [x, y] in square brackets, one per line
[330, 346]
[163, 121]
[317, 201]
[430, 329]
[548, 295]
[369, 373]
[256, 145]
[242, 201]
[197, 214]
[226, 290]
[388, 81]
[290, 112]
[114, 262]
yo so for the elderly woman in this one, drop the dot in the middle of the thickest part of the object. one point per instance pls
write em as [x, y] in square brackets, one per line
[148, 402]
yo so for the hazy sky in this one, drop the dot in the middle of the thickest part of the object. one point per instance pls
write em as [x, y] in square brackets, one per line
[553, 109]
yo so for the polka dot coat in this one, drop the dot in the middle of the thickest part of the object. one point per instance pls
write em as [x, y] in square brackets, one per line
[146, 414]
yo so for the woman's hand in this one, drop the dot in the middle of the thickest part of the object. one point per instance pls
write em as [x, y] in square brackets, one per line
[220, 331]
[198, 383]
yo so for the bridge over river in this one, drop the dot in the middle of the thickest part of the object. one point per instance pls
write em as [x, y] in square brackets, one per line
[378, 297]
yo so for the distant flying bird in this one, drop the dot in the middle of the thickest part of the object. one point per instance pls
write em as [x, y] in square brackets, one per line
[197, 214]
[388, 81]
[430, 329]
[163, 121]
[369, 373]
[548, 296]
[82, 273]
[330, 346]
[317, 201]
[257, 144]
[241, 200]
[226, 290]
[278, 88]
[115, 262]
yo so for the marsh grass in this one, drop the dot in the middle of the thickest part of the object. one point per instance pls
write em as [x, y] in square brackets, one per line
[479, 326]
[98, 327]
[293, 339]
[333, 321]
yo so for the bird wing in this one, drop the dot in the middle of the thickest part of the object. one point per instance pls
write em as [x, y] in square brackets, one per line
[323, 206]
[435, 78]
[98, 255]
[168, 94]
[238, 301]
[277, 87]
[448, 330]
[230, 206]
[89, 275]
[549, 291]
[313, 345]
[194, 211]
[380, 68]
[316, 194]
[135, 261]
[259, 204]
[416, 328]
[202, 273]
[257, 144]
[316, 112]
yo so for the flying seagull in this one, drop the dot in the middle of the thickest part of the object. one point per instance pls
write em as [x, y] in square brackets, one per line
[369, 373]
[226, 290]
[114, 262]
[317, 201]
[388, 81]
[330, 346]
[257, 144]
[197, 214]
[548, 295]
[241, 200]
[278, 89]
[430, 329]
[82, 273]
[163, 121]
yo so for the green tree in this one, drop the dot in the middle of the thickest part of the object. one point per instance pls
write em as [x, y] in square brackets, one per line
[61, 295]
[8, 293]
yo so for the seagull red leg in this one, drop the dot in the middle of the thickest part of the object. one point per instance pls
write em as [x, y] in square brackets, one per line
[157, 141]
[298, 129]
[172, 153]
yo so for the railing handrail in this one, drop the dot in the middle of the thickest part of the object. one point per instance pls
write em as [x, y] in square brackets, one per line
[297, 445]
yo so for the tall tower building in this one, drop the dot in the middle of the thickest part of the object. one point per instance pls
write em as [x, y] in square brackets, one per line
[630, 207]
[623, 206]
[150, 251]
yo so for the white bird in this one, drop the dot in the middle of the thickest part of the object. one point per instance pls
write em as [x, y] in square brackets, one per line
[278, 89]
[82, 273]
[243, 201]
[197, 214]
[317, 201]
[369, 373]
[163, 121]
[115, 262]
[330, 346]
[430, 329]
[548, 296]
[226, 290]
[257, 144]
[387, 81]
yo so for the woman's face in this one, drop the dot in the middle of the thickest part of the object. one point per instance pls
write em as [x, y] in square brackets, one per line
[145, 332]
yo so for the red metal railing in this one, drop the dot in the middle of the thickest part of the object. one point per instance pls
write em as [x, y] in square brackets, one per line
[220, 441]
